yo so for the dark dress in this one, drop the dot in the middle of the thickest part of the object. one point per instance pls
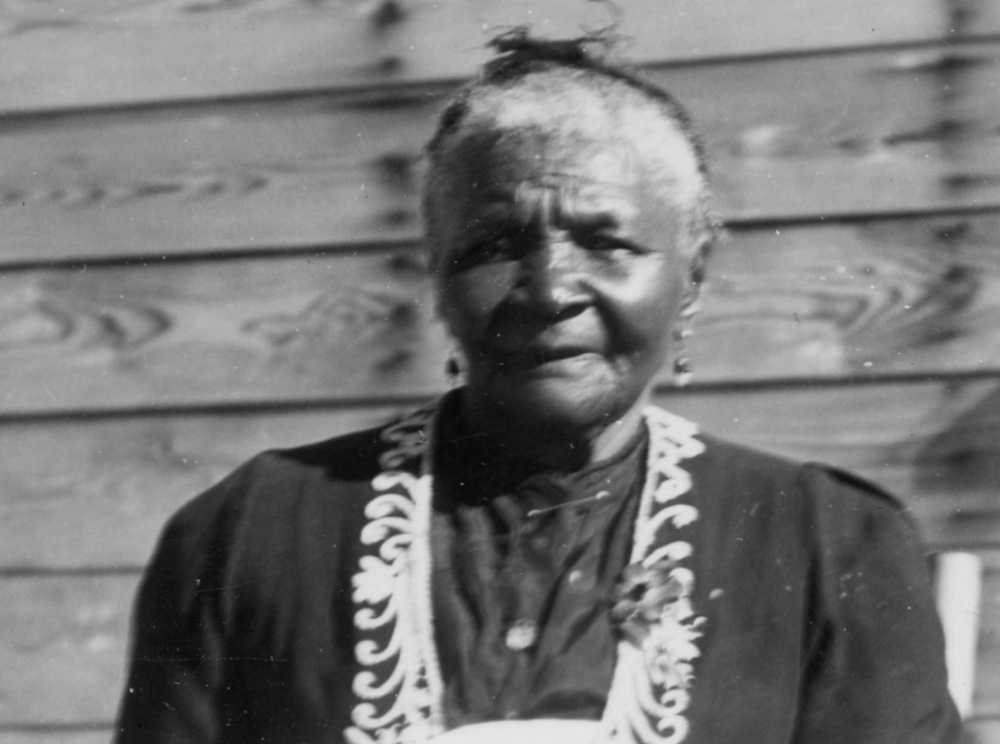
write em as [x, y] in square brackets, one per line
[818, 619]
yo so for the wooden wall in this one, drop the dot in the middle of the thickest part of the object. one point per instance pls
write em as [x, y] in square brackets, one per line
[209, 247]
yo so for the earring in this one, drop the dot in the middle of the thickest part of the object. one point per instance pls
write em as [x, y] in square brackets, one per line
[682, 371]
[453, 370]
[682, 364]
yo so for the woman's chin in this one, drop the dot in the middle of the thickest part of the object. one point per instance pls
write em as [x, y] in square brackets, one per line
[554, 401]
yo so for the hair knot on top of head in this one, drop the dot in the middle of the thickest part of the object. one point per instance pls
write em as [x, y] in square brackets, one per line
[517, 42]
[520, 55]
[565, 88]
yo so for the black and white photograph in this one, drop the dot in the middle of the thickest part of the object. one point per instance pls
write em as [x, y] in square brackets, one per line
[485, 372]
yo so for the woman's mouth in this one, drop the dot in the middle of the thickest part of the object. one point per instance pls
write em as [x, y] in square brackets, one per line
[546, 358]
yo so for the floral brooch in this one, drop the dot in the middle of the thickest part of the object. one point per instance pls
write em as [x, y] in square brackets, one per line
[652, 611]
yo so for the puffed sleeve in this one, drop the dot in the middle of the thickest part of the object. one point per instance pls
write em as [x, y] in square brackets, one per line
[177, 652]
[875, 664]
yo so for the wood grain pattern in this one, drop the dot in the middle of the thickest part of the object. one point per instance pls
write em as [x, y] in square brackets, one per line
[107, 487]
[826, 135]
[101, 52]
[336, 326]
[865, 299]
[65, 639]
[94, 493]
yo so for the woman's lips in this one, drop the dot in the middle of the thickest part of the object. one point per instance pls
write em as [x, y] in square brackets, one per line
[535, 358]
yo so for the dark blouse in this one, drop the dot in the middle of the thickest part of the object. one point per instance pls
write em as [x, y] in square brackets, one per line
[523, 573]
[820, 624]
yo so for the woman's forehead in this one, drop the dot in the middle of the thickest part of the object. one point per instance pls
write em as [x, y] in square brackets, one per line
[543, 128]
[563, 180]
[559, 200]
[506, 158]
[520, 169]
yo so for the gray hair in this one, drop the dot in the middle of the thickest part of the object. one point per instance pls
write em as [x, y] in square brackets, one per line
[529, 67]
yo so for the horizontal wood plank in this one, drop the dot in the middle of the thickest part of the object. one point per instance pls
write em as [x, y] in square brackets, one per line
[210, 333]
[96, 52]
[982, 731]
[845, 134]
[94, 493]
[70, 735]
[810, 302]
[918, 296]
[65, 639]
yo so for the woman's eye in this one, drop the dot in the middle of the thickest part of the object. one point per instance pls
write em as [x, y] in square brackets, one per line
[608, 244]
[492, 250]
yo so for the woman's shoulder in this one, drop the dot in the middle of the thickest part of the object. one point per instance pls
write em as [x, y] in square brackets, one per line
[738, 461]
[740, 478]
[755, 506]
[327, 477]
[761, 469]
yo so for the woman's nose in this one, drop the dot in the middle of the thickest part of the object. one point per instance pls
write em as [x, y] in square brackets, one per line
[552, 281]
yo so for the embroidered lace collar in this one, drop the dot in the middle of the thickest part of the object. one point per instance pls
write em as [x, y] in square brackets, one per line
[399, 686]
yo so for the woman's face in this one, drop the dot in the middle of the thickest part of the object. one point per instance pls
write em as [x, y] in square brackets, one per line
[559, 273]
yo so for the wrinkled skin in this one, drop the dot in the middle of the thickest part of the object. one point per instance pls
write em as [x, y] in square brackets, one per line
[560, 273]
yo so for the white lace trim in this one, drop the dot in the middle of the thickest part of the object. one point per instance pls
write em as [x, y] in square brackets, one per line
[653, 682]
[400, 703]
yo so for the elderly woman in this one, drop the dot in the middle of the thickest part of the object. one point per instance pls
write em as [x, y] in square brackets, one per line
[541, 555]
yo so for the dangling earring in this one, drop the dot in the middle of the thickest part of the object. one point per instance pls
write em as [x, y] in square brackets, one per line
[682, 371]
[682, 363]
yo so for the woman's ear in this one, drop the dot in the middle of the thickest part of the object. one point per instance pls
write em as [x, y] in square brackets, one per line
[432, 269]
[691, 299]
